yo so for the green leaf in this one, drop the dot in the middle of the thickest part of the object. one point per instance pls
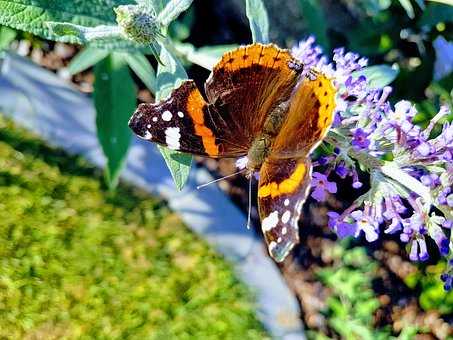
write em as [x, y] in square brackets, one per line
[143, 69]
[170, 74]
[206, 56]
[106, 37]
[406, 4]
[172, 10]
[316, 23]
[7, 35]
[258, 20]
[115, 100]
[378, 75]
[32, 15]
[82, 34]
[435, 13]
[86, 58]
[179, 164]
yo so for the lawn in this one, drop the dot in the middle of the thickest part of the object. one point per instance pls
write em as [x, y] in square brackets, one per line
[79, 261]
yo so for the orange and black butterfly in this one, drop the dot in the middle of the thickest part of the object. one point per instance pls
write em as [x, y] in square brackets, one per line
[261, 103]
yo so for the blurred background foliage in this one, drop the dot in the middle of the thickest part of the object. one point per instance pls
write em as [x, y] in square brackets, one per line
[412, 36]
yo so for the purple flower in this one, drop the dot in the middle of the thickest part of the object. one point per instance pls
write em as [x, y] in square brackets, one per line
[442, 197]
[343, 229]
[410, 170]
[321, 186]
[418, 250]
[365, 224]
[448, 224]
[430, 180]
[442, 242]
[341, 170]
[241, 163]
[360, 139]
[448, 281]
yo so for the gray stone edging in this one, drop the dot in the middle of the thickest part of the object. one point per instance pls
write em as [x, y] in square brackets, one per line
[45, 104]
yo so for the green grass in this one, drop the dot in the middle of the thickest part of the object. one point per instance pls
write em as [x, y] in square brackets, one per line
[80, 262]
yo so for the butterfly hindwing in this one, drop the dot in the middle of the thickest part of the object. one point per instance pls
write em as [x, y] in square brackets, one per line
[283, 188]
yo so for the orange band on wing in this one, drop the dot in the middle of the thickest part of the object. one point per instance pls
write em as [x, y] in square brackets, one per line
[325, 92]
[195, 105]
[286, 186]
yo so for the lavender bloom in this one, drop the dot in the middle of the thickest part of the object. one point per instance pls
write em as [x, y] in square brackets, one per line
[403, 191]
[321, 186]
[366, 224]
[360, 140]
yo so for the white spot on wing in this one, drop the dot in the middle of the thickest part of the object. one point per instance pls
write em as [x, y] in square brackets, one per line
[270, 221]
[279, 240]
[272, 246]
[286, 216]
[172, 137]
[148, 135]
[180, 114]
[286, 203]
[148, 126]
[154, 119]
[284, 230]
[166, 116]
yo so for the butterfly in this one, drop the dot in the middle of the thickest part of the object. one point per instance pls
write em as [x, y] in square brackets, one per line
[260, 102]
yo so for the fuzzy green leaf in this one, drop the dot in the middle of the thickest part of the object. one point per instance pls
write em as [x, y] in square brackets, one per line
[206, 56]
[172, 10]
[115, 100]
[313, 15]
[7, 35]
[143, 69]
[378, 75]
[86, 58]
[170, 74]
[258, 20]
[32, 15]
[406, 4]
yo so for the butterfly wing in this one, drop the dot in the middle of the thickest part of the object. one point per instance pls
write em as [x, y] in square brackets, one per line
[309, 118]
[248, 83]
[283, 188]
[241, 90]
[185, 122]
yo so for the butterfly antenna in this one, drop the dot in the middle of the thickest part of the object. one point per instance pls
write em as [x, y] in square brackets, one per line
[249, 213]
[220, 179]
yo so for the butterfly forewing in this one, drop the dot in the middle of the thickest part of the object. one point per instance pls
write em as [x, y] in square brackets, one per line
[186, 122]
[249, 82]
[283, 188]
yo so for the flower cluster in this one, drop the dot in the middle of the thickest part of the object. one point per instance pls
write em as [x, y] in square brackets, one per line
[410, 168]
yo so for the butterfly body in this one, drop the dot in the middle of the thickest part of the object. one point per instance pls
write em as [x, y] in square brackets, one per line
[260, 105]
[262, 144]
